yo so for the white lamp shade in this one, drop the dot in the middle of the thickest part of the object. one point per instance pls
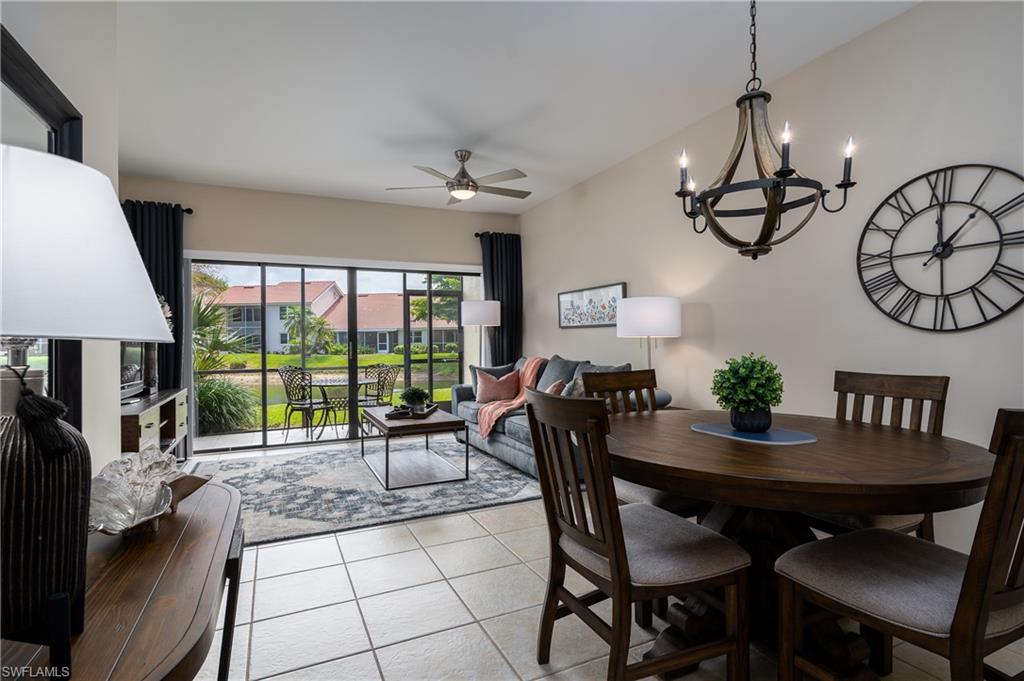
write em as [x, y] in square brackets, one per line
[481, 313]
[69, 267]
[653, 316]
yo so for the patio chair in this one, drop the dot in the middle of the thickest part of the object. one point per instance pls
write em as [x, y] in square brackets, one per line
[335, 406]
[379, 394]
[298, 389]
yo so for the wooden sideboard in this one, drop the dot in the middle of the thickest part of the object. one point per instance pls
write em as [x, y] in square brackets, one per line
[159, 419]
[152, 601]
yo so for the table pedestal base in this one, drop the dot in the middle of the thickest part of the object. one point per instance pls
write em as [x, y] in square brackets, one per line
[766, 535]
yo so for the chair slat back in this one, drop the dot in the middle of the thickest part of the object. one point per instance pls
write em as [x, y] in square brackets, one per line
[622, 388]
[899, 389]
[995, 570]
[386, 375]
[298, 384]
[574, 473]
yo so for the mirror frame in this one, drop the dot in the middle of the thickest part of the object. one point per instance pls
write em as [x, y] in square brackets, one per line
[26, 79]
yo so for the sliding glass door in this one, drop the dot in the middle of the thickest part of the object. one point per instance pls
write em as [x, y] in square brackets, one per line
[286, 354]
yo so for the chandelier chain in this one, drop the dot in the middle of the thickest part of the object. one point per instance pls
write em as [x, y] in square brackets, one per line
[754, 83]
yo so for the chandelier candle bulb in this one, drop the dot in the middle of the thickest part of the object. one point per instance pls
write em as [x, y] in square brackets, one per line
[684, 171]
[848, 160]
[786, 137]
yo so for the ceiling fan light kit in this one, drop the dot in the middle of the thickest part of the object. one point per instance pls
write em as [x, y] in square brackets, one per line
[773, 181]
[463, 186]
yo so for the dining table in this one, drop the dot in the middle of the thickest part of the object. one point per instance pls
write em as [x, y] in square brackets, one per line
[758, 495]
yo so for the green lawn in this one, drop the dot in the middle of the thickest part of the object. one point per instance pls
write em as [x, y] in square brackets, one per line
[251, 360]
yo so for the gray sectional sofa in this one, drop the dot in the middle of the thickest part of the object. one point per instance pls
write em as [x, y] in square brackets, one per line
[510, 440]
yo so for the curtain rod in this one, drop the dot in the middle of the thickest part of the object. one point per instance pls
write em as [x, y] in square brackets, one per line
[187, 211]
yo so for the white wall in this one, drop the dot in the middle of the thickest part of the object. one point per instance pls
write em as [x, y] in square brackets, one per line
[76, 44]
[229, 220]
[938, 85]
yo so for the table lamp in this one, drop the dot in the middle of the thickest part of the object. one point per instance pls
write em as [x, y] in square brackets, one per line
[649, 317]
[481, 313]
[69, 269]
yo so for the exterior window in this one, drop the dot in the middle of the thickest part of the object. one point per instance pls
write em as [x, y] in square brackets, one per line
[235, 314]
[284, 339]
[282, 313]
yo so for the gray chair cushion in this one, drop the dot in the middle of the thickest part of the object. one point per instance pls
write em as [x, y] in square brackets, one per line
[897, 523]
[517, 427]
[557, 369]
[663, 549]
[893, 576]
[632, 493]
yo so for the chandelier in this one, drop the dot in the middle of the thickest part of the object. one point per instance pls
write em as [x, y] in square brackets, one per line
[776, 183]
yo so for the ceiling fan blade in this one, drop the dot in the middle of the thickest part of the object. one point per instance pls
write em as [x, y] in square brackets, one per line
[503, 176]
[433, 186]
[452, 200]
[502, 191]
[430, 171]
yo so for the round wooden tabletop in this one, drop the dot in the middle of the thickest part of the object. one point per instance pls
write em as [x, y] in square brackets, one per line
[852, 468]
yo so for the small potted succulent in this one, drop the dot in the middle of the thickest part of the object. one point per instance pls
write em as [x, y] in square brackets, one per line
[748, 387]
[416, 398]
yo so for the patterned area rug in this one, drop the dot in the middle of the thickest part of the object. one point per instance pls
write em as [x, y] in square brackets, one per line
[285, 496]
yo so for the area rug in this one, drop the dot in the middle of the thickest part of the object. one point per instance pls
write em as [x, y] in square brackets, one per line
[286, 496]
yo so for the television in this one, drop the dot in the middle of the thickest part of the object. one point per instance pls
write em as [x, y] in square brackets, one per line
[133, 358]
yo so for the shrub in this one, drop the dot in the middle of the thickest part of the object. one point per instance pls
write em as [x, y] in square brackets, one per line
[748, 383]
[398, 349]
[365, 350]
[224, 407]
[336, 349]
[236, 365]
[451, 347]
[418, 349]
[415, 395]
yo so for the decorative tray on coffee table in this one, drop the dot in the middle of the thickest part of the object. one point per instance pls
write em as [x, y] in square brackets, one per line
[406, 412]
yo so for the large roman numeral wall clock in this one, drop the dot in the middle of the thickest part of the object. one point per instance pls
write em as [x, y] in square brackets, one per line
[945, 251]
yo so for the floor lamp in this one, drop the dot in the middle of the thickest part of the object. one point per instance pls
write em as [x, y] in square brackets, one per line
[481, 313]
[649, 317]
[69, 269]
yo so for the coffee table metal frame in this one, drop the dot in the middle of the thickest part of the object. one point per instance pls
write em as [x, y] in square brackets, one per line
[432, 429]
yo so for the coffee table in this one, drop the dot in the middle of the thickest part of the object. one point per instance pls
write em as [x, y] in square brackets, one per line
[411, 468]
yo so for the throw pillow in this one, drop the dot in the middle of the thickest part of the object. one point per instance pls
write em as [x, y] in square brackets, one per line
[496, 372]
[556, 388]
[557, 369]
[575, 386]
[491, 389]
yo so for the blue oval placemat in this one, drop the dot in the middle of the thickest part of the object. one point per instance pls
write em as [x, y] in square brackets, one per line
[774, 436]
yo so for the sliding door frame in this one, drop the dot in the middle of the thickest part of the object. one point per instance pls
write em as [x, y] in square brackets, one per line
[352, 355]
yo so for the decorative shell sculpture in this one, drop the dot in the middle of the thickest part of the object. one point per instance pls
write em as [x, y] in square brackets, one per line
[134, 491]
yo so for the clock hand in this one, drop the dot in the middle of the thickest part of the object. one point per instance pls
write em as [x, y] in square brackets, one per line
[948, 243]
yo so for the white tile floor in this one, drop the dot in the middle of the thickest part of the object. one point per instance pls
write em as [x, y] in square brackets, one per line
[452, 597]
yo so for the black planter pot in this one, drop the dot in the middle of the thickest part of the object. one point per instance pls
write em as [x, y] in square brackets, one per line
[757, 421]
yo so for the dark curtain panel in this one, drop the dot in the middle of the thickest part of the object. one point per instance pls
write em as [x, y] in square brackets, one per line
[157, 228]
[503, 281]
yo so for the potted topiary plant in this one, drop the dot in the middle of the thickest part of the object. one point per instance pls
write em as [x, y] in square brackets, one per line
[748, 387]
[416, 398]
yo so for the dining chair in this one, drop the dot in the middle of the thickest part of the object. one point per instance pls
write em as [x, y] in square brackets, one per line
[629, 391]
[631, 553]
[919, 391]
[962, 607]
[298, 390]
[379, 394]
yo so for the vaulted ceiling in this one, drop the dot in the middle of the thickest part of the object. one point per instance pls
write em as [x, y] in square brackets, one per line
[342, 99]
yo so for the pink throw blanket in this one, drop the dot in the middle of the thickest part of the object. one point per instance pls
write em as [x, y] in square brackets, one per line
[492, 411]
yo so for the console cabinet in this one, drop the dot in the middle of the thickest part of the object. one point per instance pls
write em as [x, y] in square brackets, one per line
[160, 419]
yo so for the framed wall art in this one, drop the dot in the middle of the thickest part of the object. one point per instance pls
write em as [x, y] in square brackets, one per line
[589, 307]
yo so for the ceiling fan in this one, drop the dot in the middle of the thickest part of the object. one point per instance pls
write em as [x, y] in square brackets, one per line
[464, 186]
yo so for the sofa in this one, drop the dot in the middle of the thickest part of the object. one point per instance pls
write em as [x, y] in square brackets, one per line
[510, 440]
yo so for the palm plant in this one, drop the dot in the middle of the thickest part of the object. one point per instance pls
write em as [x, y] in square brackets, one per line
[319, 334]
[210, 337]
